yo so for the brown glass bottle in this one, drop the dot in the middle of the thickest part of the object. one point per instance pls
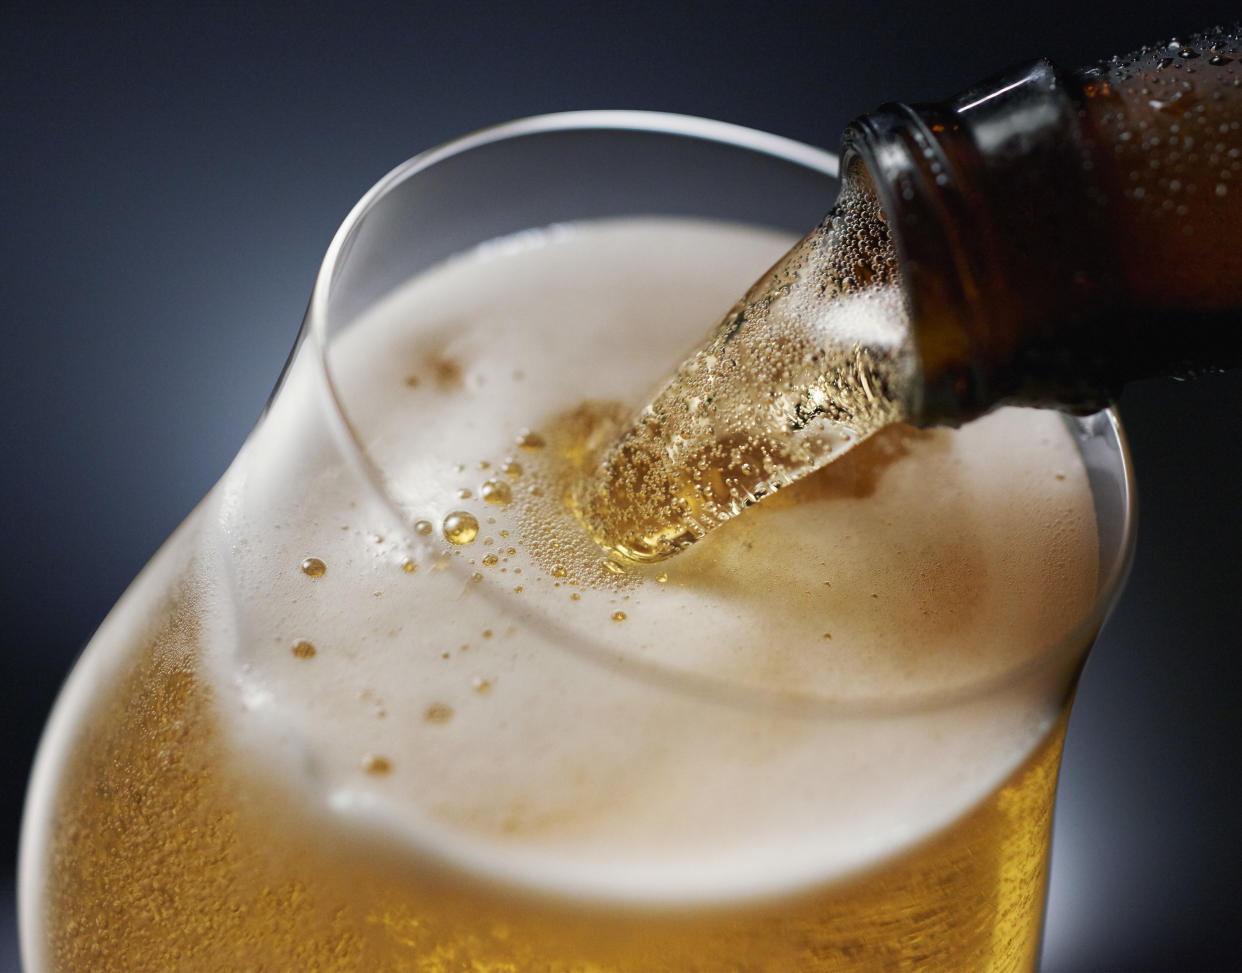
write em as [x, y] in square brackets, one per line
[1061, 232]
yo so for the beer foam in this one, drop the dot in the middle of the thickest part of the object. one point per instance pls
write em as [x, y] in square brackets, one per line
[819, 684]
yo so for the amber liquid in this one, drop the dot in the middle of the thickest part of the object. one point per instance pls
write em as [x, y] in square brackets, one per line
[165, 855]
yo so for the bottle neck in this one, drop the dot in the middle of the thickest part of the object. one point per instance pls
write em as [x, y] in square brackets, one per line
[1037, 240]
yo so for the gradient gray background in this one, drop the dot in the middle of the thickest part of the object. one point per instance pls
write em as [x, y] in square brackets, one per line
[170, 180]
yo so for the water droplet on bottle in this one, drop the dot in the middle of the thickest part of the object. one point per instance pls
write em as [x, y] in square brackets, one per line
[1220, 59]
[460, 527]
[313, 567]
[1188, 53]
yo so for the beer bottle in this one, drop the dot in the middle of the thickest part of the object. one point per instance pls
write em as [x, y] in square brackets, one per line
[1061, 232]
[1040, 239]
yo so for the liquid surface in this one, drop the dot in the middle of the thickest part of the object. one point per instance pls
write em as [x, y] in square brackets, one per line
[498, 630]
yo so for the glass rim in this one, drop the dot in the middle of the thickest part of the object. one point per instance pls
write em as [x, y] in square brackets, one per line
[1072, 645]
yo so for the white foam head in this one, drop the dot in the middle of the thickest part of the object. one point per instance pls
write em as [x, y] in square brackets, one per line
[801, 697]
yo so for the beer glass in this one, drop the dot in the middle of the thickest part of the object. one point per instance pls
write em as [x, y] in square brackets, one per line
[190, 810]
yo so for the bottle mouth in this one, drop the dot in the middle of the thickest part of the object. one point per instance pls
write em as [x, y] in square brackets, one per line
[341, 294]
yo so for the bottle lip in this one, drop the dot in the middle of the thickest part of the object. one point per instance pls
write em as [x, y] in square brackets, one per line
[915, 186]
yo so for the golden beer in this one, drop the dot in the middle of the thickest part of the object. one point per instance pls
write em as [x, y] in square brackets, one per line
[381, 704]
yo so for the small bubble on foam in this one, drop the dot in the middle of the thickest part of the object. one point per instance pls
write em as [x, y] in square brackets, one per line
[618, 616]
[313, 567]
[303, 649]
[423, 527]
[530, 440]
[496, 491]
[484, 465]
[575, 596]
[487, 633]
[476, 577]
[408, 565]
[661, 579]
[558, 571]
[411, 381]
[460, 527]
[464, 494]
[511, 468]
[438, 713]
[489, 560]
[481, 686]
[377, 766]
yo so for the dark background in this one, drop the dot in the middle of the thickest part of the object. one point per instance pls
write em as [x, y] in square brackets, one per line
[170, 180]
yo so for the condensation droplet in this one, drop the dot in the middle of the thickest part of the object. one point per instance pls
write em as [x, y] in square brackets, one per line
[495, 491]
[302, 649]
[313, 567]
[460, 527]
